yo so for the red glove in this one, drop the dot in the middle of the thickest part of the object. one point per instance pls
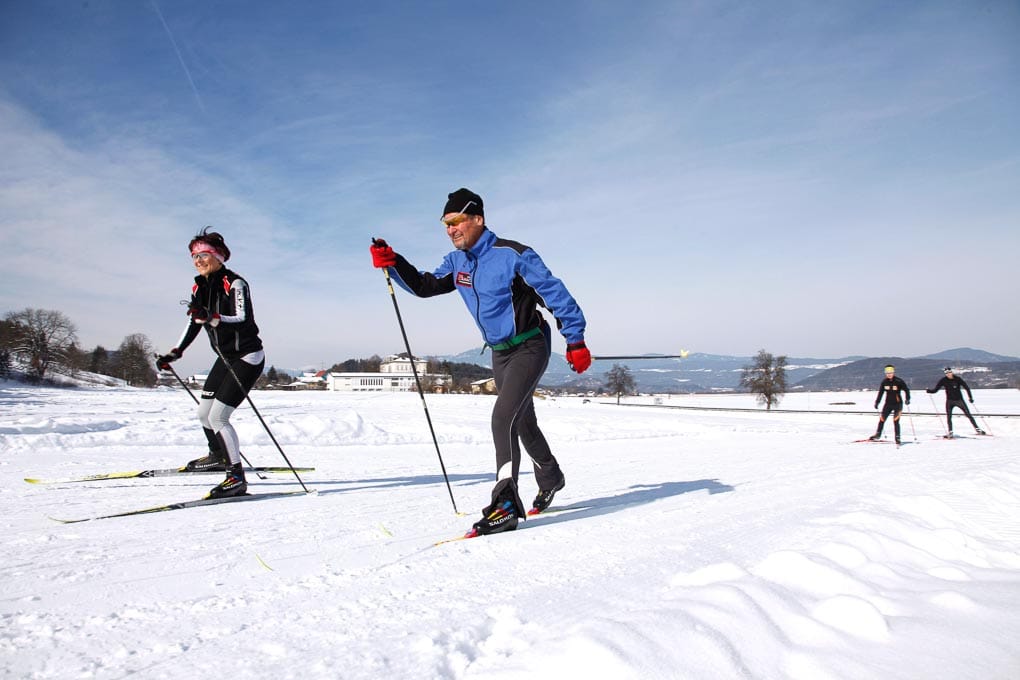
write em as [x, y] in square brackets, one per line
[382, 255]
[578, 356]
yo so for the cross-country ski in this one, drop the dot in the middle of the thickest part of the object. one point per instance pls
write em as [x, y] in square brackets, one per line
[182, 505]
[165, 472]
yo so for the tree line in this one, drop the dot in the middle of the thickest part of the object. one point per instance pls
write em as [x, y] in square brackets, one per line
[37, 342]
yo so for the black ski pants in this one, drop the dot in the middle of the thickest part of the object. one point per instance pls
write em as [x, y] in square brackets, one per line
[517, 371]
[890, 409]
[958, 403]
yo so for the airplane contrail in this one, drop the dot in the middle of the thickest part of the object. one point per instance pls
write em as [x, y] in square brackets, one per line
[177, 51]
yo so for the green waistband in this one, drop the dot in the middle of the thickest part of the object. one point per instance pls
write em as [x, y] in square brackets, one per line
[517, 339]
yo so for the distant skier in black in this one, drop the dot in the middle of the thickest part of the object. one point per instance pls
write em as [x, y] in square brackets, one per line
[896, 395]
[954, 398]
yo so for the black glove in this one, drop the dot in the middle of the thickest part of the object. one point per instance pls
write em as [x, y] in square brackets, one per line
[931, 391]
[876, 404]
[201, 315]
[972, 400]
[163, 362]
[908, 402]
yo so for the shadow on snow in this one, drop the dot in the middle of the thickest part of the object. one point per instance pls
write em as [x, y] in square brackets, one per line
[638, 494]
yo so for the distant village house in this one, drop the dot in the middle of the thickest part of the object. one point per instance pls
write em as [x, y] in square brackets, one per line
[395, 375]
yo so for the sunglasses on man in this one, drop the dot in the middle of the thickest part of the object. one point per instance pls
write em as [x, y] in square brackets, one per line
[458, 218]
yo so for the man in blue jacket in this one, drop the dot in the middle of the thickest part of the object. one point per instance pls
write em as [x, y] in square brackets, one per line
[502, 282]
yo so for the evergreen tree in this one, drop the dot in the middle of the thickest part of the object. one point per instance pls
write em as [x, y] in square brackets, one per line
[77, 359]
[99, 361]
[8, 332]
[133, 362]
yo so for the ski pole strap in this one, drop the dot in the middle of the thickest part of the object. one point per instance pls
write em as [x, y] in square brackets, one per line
[517, 339]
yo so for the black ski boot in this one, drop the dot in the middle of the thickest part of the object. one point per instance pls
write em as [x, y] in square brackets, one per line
[214, 461]
[875, 437]
[545, 498]
[502, 514]
[233, 485]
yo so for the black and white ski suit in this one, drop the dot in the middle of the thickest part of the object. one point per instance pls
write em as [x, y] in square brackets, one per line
[234, 336]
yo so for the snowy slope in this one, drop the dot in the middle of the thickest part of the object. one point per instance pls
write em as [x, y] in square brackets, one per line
[690, 544]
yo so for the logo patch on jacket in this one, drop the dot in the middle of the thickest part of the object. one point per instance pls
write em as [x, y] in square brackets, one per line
[464, 279]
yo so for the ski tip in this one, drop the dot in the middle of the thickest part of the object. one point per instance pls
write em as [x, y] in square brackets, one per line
[263, 562]
[470, 534]
[32, 480]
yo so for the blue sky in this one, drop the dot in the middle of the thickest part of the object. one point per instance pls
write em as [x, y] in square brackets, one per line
[815, 179]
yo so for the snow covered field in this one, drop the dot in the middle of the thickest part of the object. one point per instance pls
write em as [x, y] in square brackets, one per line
[690, 544]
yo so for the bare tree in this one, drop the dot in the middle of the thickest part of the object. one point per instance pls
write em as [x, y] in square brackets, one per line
[42, 339]
[134, 363]
[619, 381]
[766, 377]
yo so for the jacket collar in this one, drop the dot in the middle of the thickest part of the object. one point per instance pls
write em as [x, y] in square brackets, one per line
[483, 244]
[216, 276]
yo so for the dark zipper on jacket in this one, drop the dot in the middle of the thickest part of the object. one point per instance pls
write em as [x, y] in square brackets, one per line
[473, 259]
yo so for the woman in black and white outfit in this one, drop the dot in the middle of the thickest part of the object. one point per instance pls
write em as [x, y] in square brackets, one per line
[221, 303]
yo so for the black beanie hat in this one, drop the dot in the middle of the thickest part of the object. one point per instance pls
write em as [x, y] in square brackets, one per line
[465, 201]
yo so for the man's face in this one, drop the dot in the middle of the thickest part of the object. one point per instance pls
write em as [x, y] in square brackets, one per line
[463, 230]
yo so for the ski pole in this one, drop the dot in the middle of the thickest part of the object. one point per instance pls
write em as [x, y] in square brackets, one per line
[216, 346]
[983, 421]
[936, 407]
[194, 399]
[682, 355]
[417, 382]
[910, 417]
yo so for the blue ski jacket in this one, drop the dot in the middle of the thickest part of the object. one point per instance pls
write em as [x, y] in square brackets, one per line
[501, 282]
